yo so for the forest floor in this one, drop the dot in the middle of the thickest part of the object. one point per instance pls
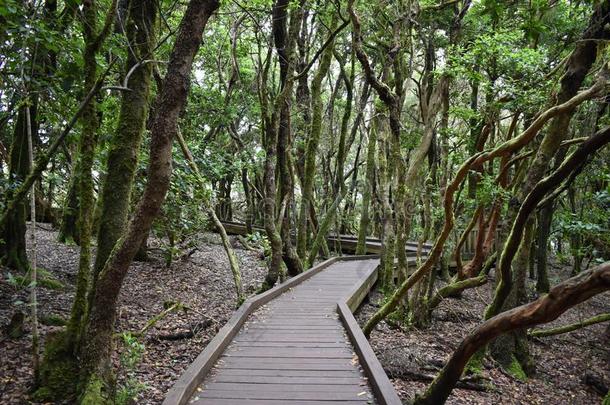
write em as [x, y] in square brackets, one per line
[563, 362]
[203, 283]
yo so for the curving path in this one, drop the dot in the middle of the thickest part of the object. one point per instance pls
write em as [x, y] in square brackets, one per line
[295, 344]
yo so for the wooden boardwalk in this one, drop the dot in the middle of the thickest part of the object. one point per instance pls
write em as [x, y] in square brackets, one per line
[295, 348]
[297, 344]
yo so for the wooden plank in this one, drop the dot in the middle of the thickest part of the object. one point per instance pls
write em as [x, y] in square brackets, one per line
[304, 323]
[255, 388]
[353, 373]
[291, 332]
[384, 391]
[290, 366]
[355, 380]
[278, 360]
[308, 336]
[288, 344]
[294, 328]
[291, 352]
[286, 396]
[225, 401]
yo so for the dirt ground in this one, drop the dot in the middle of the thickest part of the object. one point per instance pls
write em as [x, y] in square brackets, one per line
[563, 361]
[203, 283]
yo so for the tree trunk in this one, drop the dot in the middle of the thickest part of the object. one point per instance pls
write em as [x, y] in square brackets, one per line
[545, 217]
[98, 335]
[125, 145]
[313, 140]
[371, 152]
[12, 242]
[68, 229]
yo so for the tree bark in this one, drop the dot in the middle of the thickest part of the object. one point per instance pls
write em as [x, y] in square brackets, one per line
[311, 150]
[98, 335]
[125, 145]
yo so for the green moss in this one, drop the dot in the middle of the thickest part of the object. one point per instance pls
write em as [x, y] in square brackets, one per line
[515, 369]
[606, 400]
[43, 279]
[58, 372]
[475, 364]
[43, 394]
[51, 284]
[53, 320]
[95, 392]
[400, 316]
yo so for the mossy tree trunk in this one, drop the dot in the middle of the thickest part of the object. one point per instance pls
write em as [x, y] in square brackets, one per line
[96, 365]
[125, 145]
[371, 150]
[94, 39]
[275, 118]
[545, 219]
[311, 150]
[68, 228]
[386, 267]
[12, 240]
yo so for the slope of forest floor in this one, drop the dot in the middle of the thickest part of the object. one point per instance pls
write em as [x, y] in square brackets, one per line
[203, 283]
[564, 362]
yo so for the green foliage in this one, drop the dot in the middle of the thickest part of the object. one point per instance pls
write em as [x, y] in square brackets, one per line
[489, 191]
[44, 279]
[131, 355]
[132, 352]
[259, 239]
[515, 369]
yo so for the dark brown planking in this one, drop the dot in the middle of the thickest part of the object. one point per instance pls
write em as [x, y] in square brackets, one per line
[254, 388]
[284, 395]
[253, 379]
[222, 401]
[286, 338]
[320, 367]
[287, 344]
[291, 373]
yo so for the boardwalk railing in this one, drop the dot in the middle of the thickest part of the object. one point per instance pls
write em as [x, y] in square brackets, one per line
[343, 243]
